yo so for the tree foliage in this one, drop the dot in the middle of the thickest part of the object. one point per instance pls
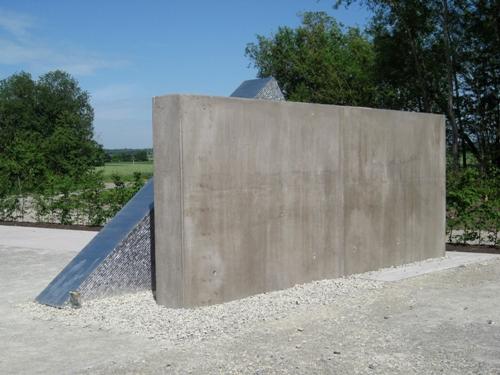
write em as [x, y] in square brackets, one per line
[439, 56]
[444, 56]
[473, 206]
[46, 131]
[318, 62]
[128, 155]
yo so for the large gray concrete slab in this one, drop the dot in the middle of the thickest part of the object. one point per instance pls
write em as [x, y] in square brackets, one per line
[120, 259]
[252, 196]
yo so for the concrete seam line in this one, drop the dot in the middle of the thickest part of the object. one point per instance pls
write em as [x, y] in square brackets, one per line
[342, 187]
[181, 183]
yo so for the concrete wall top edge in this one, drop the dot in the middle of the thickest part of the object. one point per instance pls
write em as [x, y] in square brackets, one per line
[288, 103]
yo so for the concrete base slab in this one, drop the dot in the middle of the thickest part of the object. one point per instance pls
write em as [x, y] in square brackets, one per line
[451, 260]
[44, 238]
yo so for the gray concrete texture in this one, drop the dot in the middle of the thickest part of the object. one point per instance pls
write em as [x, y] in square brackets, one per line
[253, 196]
[120, 259]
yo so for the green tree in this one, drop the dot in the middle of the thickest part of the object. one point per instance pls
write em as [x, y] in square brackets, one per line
[47, 131]
[443, 56]
[318, 62]
[478, 80]
[141, 155]
[439, 56]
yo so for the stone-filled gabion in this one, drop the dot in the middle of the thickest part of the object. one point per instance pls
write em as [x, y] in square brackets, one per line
[263, 88]
[127, 268]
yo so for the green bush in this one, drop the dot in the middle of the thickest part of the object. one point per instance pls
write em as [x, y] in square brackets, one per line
[89, 202]
[93, 206]
[9, 205]
[473, 206]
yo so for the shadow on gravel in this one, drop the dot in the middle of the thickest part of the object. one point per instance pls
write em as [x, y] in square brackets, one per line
[473, 248]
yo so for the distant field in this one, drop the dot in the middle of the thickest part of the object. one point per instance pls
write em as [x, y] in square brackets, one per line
[126, 170]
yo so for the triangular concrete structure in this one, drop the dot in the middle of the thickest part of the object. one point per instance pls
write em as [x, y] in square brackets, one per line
[117, 260]
[263, 88]
[120, 258]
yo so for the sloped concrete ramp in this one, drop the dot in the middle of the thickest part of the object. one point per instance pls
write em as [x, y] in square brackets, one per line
[118, 259]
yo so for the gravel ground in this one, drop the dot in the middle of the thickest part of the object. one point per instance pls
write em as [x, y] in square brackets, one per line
[443, 322]
[141, 315]
[416, 326]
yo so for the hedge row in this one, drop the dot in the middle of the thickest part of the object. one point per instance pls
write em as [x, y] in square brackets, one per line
[472, 215]
[90, 202]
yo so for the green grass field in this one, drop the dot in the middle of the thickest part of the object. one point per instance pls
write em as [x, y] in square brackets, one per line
[126, 170]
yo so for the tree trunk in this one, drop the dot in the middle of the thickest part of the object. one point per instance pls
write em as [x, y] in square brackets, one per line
[449, 73]
[415, 52]
[459, 116]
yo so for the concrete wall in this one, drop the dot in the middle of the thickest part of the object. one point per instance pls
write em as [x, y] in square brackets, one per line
[252, 196]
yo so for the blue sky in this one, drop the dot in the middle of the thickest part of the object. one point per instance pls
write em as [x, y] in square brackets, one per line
[125, 52]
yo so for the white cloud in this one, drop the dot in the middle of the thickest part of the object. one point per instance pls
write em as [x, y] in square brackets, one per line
[113, 92]
[121, 109]
[123, 122]
[15, 23]
[16, 53]
[20, 47]
[116, 102]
